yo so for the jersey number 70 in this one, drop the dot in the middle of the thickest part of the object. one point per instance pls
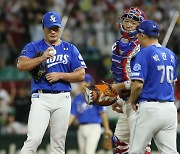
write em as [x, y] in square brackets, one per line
[167, 73]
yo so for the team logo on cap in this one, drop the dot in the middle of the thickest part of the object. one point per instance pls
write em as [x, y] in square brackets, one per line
[53, 18]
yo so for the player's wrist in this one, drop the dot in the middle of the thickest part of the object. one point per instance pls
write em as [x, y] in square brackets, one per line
[42, 58]
[61, 75]
[115, 87]
[108, 132]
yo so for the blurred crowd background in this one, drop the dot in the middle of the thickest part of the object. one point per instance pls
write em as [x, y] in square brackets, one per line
[91, 27]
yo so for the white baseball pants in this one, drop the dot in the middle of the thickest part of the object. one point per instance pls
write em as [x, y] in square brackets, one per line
[155, 120]
[52, 109]
[124, 123]
[88, 138]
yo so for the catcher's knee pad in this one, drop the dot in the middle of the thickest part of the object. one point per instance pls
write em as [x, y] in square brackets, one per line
[119, 147]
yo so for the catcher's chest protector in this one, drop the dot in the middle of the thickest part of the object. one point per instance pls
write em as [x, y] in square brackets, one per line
[121, 61]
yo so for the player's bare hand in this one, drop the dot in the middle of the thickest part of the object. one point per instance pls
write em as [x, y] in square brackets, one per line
[48, 54]
[53, 77]
[117, 107]
[135, 107]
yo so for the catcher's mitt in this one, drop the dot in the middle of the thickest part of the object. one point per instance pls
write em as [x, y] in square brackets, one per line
[100, 94]
[107, 143]
[38, 72]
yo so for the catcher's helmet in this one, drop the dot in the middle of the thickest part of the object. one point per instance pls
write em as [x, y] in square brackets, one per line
[131, 13]
[134, 13]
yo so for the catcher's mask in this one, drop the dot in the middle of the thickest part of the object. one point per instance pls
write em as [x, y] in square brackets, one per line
[133, 13]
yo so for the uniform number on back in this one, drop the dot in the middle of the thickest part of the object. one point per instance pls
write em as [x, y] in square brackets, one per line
[167, 73]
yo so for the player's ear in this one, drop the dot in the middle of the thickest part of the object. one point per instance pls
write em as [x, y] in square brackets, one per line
[141, 34]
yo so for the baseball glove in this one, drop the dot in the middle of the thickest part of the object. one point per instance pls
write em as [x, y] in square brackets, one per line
[107, 144]
[100, 94]
[38, 72]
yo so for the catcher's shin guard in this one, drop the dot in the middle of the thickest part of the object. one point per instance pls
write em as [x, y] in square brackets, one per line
[119, 147]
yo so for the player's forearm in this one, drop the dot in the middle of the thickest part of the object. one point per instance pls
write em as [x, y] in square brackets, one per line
[105, 121]
[26, 64]
[122, 86]
[71, 119]
[136, 89]
[76, 76]
[118, 86]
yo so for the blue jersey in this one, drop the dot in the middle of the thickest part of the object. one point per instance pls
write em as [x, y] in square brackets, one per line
[67, 59]
[156, 66]
[86, 113]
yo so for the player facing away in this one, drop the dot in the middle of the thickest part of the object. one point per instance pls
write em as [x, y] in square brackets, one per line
[89, 119]
[51, 101]
[124, 50]
[154, 72]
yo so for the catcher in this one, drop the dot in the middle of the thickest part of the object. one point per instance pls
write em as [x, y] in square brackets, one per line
[123, 52]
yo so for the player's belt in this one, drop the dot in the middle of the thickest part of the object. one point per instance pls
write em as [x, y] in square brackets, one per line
[85, 123]
[49, 91]
[160, 101]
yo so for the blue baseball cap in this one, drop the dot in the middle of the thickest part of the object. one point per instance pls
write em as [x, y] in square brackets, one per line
[149, 27]
[88, 78]
[51, 19]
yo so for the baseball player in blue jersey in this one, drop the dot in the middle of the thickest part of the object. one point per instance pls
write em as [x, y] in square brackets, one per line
[124, 50]
[51, 100]
[154, 72]
[89, 119]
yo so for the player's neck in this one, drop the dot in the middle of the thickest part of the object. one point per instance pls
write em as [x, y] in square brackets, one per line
[150, 42]
[55, 43]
